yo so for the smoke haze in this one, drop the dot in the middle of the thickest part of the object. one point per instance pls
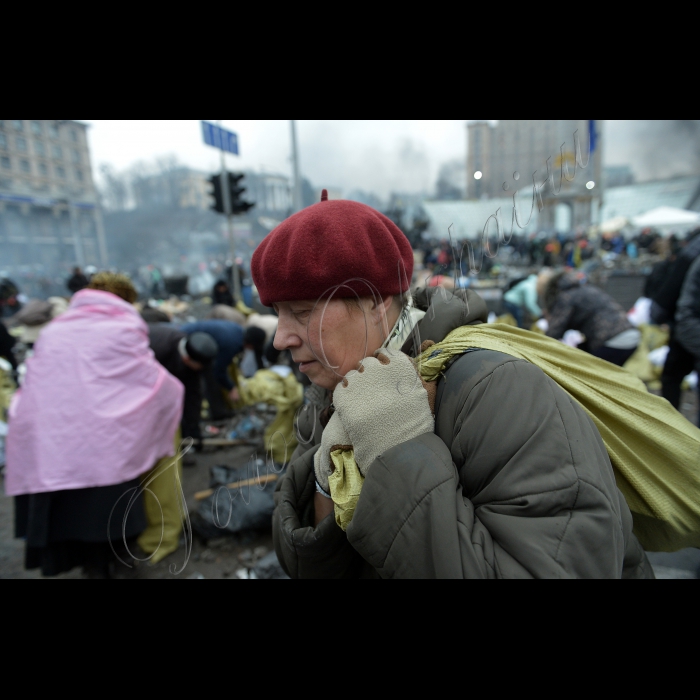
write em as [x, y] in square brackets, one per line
[655, 148]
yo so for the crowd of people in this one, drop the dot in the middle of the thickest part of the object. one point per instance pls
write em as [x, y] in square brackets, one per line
[399, 470]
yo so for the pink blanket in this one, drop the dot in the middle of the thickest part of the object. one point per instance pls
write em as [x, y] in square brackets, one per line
[96, 408]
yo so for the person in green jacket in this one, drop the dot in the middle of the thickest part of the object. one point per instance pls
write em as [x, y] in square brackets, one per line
[492, 472]
[523, 298]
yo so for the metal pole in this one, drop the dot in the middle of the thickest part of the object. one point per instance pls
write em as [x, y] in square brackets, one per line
[101, 240]
[229, 220]
[77, 241]
[296, 201]
[599, 170]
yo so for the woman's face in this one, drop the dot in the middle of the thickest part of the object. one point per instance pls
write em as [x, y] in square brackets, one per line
[330, 338]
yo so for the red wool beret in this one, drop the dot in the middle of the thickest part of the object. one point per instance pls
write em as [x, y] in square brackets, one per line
[330, 244]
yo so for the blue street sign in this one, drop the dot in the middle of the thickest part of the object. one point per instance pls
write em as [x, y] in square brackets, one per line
[220, 138]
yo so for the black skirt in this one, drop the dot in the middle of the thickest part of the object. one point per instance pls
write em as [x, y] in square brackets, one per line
[66, 529]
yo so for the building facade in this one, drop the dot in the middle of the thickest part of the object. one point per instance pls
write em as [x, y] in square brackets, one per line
[502, 158]
[50, 218]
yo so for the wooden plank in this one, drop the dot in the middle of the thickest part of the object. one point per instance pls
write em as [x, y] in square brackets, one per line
[258, 481]
[223, 442]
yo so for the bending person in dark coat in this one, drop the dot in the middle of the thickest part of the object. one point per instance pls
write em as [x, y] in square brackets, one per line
[571, 305]
[185, 357]
[229, 338]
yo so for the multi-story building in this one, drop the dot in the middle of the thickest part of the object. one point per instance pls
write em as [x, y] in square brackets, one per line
[50, 218]
[502, 158]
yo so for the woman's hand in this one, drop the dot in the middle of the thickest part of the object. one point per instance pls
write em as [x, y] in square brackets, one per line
[381, 405]
[334, 437]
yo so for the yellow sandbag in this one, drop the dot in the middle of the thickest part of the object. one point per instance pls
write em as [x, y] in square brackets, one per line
[639, 364]
[165, 507]
[245, 310]
[507, 319]
[654, 450]
[286, 394]
[7, 391]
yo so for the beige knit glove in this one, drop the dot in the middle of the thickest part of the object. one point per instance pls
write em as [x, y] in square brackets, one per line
[334, 437]
[382, 405]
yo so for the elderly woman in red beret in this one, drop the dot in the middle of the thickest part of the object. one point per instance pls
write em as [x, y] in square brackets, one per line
[494, 472]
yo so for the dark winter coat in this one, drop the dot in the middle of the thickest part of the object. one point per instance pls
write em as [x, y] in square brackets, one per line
[515, 482]
[229, 338]
[583, 308]
[164, 341]
[666, 298]
[7, 342]
[687, 331]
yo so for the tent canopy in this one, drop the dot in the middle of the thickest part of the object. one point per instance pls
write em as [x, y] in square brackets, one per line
[667, 217]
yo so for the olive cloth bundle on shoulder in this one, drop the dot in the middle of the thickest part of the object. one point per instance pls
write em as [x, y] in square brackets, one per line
[655, 452]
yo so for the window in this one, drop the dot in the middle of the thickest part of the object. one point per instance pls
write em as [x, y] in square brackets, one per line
[39, 148]
[43, 169]
[53, 131]
[3, 141]
[24, 166]
[36, 128]
[79, 175]
[74, 136]
[76, 156]
[61, 172]
[21, 144]
[57, 152]
[6, 163]
[18, 125]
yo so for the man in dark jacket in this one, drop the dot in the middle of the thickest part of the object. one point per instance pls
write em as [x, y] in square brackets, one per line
[687, 330]
[78, 281]
[679, 362]
[571, 305]
[185, 357]
[229, 339]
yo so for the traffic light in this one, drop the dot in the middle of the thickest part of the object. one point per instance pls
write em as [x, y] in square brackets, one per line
[217, 192]
[238, 206]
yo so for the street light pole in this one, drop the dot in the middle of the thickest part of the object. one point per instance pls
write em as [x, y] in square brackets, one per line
[297, 201]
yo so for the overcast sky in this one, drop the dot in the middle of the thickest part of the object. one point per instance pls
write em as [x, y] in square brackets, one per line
[375, 155]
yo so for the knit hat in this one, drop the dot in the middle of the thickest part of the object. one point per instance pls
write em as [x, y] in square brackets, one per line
[330, 244]
[201, 347]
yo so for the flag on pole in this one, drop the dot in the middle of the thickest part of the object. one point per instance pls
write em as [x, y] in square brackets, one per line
[592, 135]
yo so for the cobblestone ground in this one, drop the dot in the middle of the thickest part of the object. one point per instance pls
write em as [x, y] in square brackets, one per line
[229, 557]
[221, 558]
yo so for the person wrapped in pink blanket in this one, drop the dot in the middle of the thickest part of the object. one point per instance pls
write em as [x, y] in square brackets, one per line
[96, 412]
